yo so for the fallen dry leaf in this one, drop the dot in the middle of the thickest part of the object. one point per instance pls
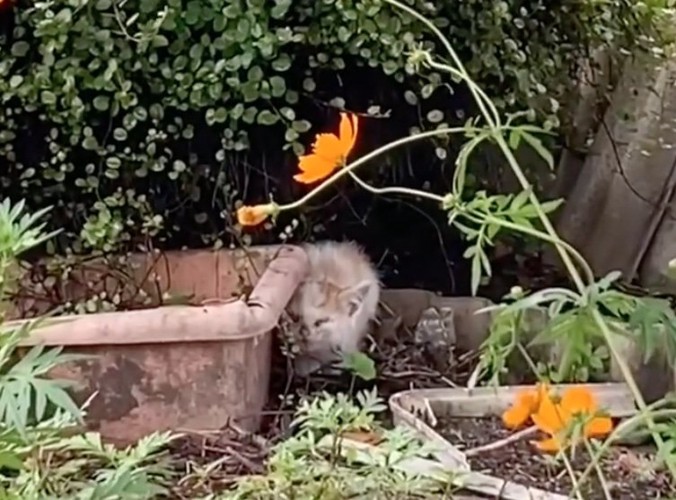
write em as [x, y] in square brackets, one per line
[368, 437]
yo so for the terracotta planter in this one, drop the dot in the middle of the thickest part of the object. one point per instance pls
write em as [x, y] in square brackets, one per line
[420, 409]
[410, 304]
[182, 367]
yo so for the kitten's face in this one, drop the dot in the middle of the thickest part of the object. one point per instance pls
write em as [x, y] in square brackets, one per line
[326, 315]
[321, 325]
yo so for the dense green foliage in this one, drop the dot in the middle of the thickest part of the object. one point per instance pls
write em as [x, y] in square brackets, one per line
[145, 121]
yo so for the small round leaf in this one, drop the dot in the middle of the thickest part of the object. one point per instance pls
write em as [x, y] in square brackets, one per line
[20, 48]
[435, 116]
[266, 117]
[120, 134]
[101, 102]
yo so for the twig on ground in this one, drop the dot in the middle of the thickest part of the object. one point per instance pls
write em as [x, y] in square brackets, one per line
[517, 436]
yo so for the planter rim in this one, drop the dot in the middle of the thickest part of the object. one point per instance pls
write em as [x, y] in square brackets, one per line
[617, 394]
[238, 319]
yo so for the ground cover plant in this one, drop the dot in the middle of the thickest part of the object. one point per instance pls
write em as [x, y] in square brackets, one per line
[146, 191]
[136, 119]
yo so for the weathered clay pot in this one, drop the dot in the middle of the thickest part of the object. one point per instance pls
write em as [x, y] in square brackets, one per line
[185, 366]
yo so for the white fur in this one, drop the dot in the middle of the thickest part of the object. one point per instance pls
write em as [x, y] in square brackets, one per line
[334, 304]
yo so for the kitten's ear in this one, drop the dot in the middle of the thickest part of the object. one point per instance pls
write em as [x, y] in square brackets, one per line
[354, 296]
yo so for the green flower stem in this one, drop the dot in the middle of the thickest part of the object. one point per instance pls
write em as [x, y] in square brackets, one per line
[347, 170]
[485, 218]
[631, 383]
[526, 357]
[571, 473]
[366, 158]
[525, 185]
[481, 219]
[396, 190]
[572, 271]
[546, 237]
[493, 123]
[482, 100]
[599, 472]
[619, 431]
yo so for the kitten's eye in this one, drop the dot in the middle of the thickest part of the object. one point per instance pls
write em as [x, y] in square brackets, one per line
[319, 322]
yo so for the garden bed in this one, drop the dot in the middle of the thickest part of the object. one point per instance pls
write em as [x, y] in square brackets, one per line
[211, 463]
[628, 472]
[453, 420]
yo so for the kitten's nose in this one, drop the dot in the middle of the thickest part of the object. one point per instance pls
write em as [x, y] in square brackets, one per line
[304, 334]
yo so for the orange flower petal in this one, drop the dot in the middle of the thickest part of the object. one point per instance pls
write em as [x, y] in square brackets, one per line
[252, 216]
[550, 417]
[313, 168]
[598, 427]
[578, 399]
[313, 164]
[355, 131]
[542, 392]
[527, 402]
[516, 416]
[534, 397]
[527, 398]
[328, 152]
[349, 126]
[305, 178]
[549, 445]
[328, 146]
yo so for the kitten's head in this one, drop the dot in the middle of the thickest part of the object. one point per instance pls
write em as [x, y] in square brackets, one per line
[327, 314]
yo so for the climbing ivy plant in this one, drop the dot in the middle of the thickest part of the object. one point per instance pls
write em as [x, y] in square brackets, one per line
[141, 120]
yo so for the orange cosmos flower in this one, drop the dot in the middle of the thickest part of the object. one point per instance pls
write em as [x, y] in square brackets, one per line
[556, 418]
[254, 215]
[527, 402]
[329, 152]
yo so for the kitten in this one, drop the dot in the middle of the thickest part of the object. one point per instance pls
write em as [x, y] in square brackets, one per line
[334, 305]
